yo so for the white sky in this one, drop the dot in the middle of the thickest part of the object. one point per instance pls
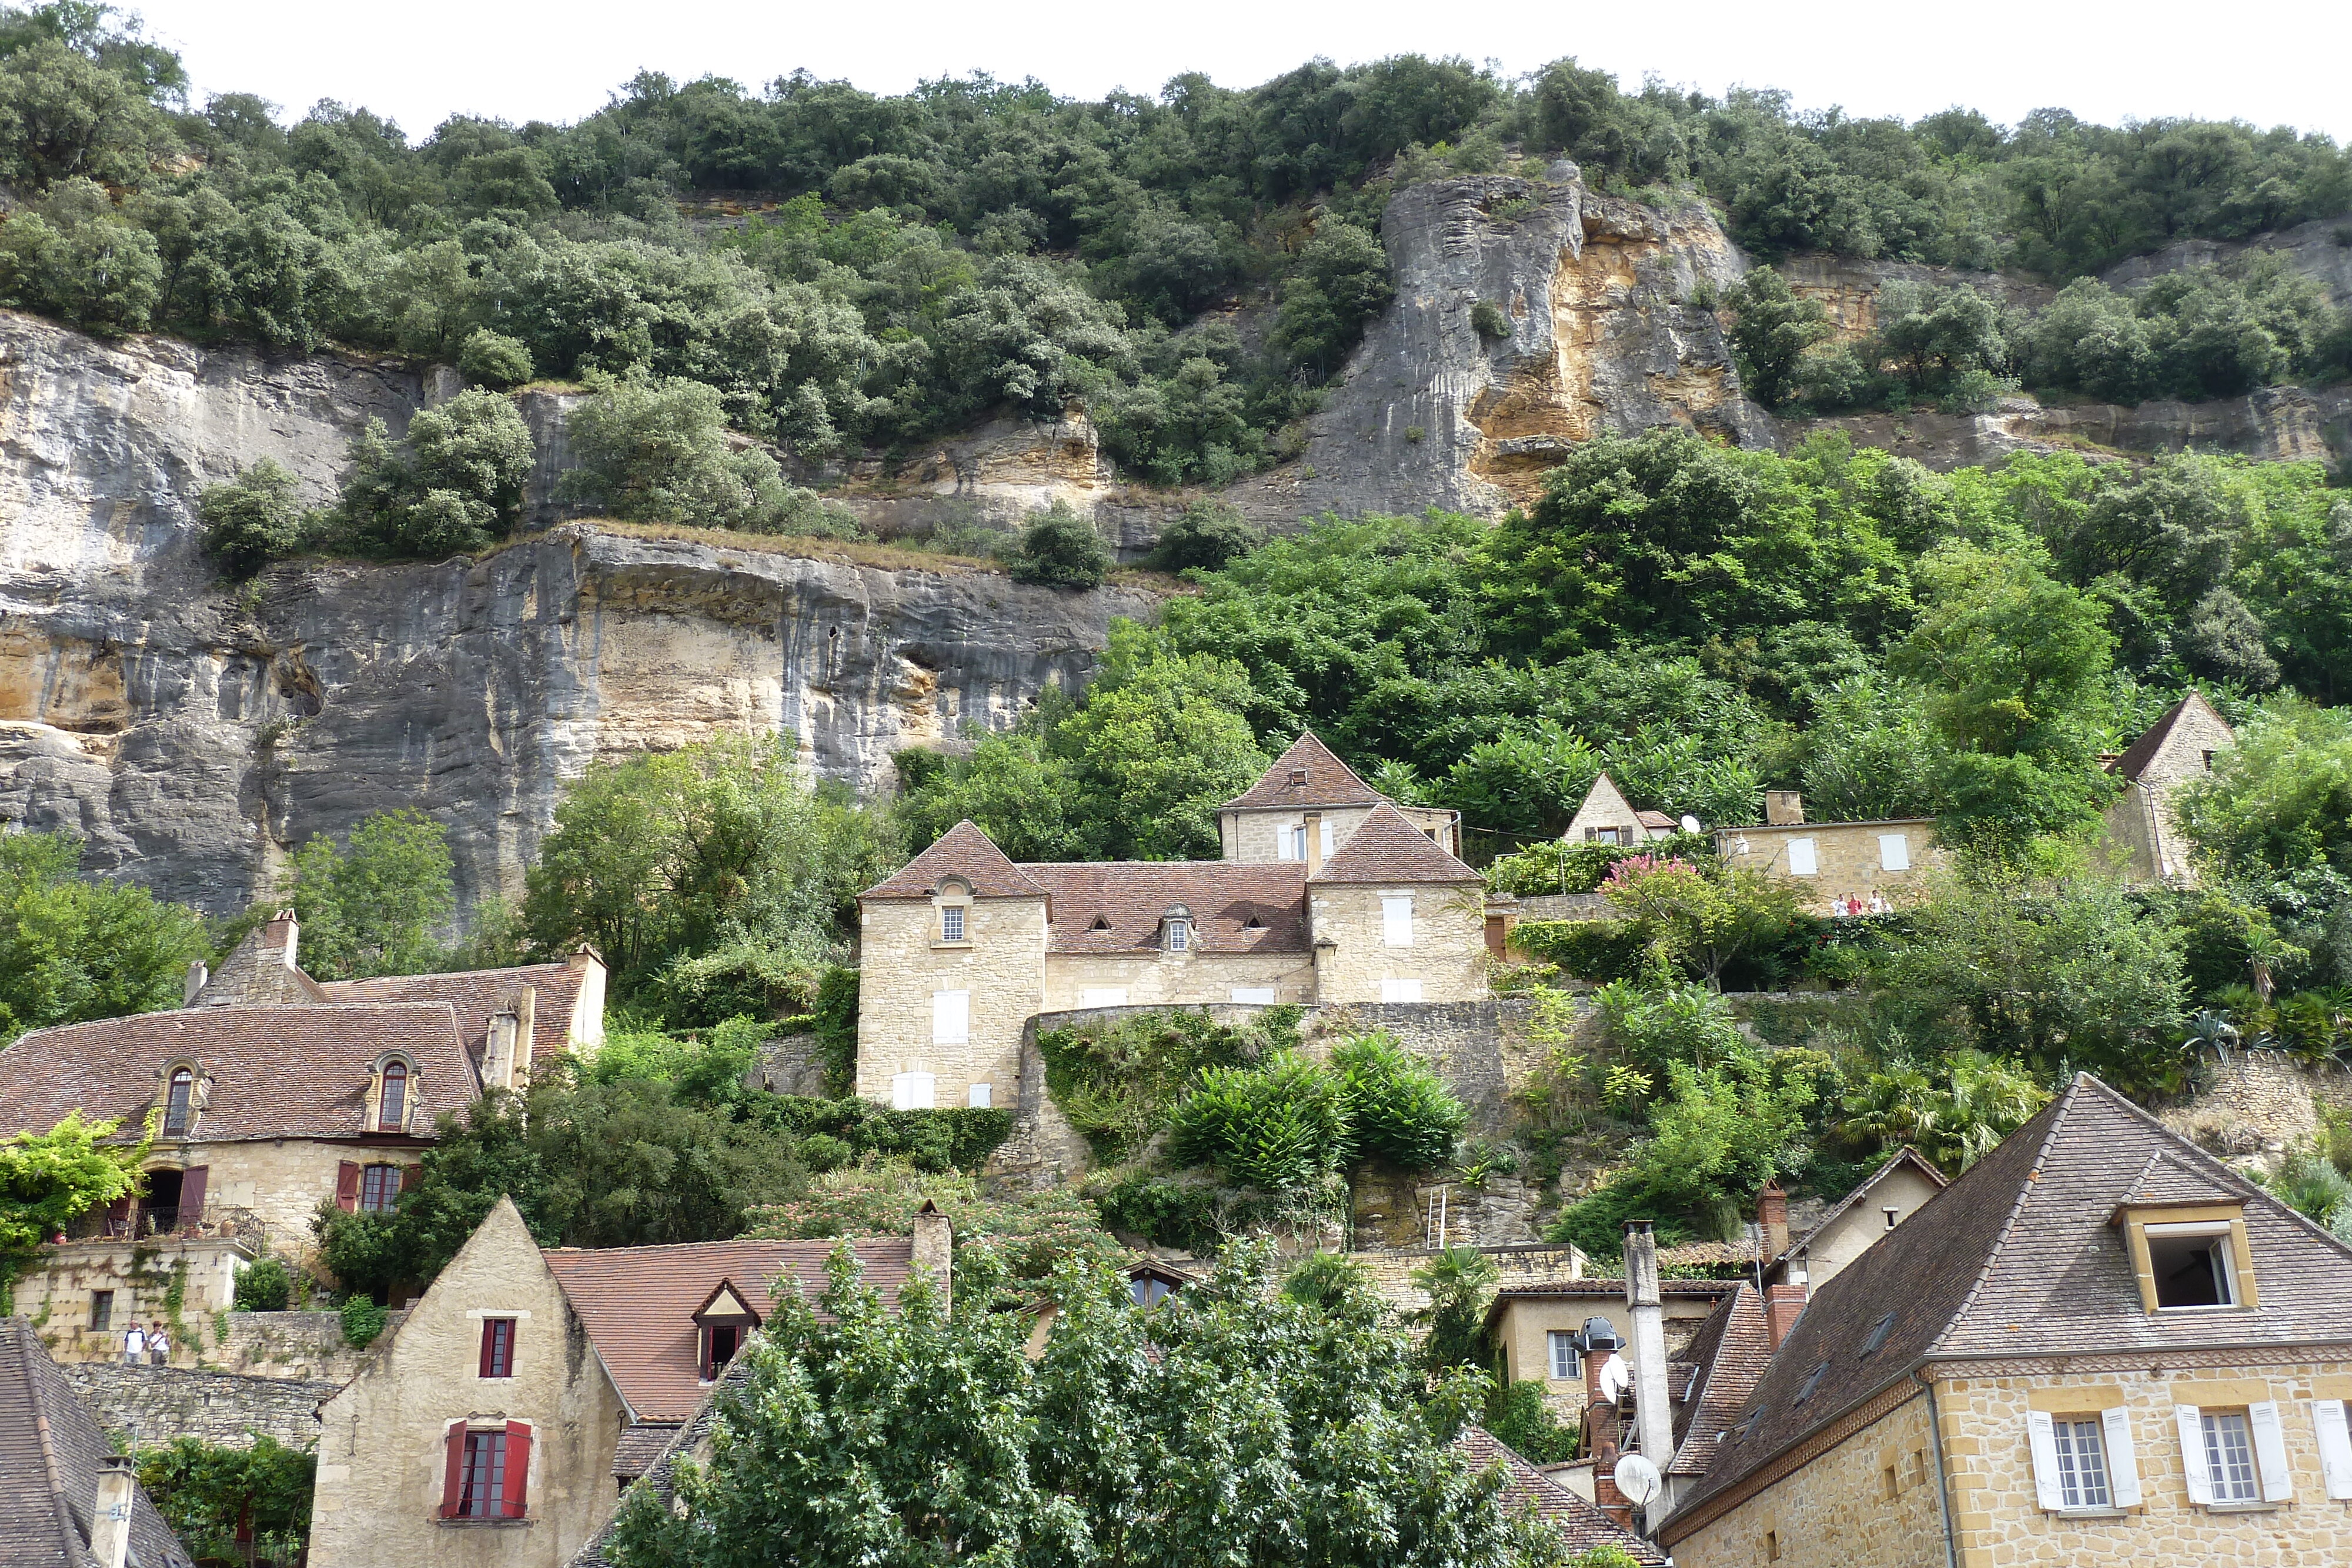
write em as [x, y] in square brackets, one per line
[2276, 62]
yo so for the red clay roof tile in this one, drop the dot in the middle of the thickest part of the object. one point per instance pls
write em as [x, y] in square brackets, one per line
[1307, 775]
[1388, 848]
[963, 850]
[1116, 906]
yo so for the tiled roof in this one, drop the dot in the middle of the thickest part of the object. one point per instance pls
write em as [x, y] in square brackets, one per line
[1127, 898]
[640, 1446]
[257, 971]
[1657, 822]
[1691, 1290]
[2018, 1257]
[1581, 1526]
[1731, 1350]
[639, 1303]
[50, 1446]
[276, 1071]
[476, 995]
[1307, 775]
[2168, 1178]
[684, 1439]
[1387, 847]
[2141, 752]
[963, 851]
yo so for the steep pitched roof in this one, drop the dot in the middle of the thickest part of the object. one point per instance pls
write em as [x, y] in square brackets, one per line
[1115, 906]
[476, 995]
[2018, 1257]
[274, 1072]
[1307, 775]
[1387, 847]
[1730, 1350]
[2143, 751]
[261, 969]
[963, 850]
[50, 1446]
[639, 1303]
[1906, 1158]
[1581, 1526]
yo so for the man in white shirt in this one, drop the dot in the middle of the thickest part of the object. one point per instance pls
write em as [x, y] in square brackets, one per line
[134, 1345]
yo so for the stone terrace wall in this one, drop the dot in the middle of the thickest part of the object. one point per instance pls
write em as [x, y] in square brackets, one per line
[157, 1404]
[299, 1347]
[2258, 1105]
[1523, 1263]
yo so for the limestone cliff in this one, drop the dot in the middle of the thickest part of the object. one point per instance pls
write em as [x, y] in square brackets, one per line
[192, 733]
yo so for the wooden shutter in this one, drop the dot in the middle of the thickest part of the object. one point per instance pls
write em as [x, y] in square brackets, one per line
[453, 1471]
[192, 1182]
[2122, 1460]
[2192, 1453]
[2335, 1446]
[490, 1346]
[2270, 1451]
[347, 1186]
[518, 1490]
[2044, 1440]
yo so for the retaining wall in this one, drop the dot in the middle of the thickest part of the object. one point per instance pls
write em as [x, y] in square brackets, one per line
[151, 1405]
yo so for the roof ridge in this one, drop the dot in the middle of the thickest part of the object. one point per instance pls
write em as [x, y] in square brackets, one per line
[2063, 1107]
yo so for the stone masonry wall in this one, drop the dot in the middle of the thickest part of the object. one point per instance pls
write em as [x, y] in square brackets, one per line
[1836, 1512]
[1002, 965]
[1848, 854]
[1177, 979]
[1448, 955]
[154, 1405]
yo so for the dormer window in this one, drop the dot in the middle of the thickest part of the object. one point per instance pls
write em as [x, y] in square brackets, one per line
[954, 904]
[178, 1099]
[391, 1103]
[951, 923]
[1177, 929]
[724, 1321]
[2190, 1258]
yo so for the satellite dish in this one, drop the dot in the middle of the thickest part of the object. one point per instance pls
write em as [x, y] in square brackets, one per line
[1637, 1479]
[1690, 823]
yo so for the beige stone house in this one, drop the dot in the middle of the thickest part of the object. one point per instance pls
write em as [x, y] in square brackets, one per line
[2098, 1345]
[1884, 1199]
[1833, 862]
[1267, 822]
[499, 1422]
[963, 948]
[2143, 838]
[1532, 1326]
[1606, 817]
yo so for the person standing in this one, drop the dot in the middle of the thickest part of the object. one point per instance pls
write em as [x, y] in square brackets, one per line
[134, 1343]
[159, 1344]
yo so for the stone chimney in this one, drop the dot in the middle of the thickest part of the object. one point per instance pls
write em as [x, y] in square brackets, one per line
[934, 1253]
[284, 933]
[1772, 1219]
[1783, 1305]
[109, 1520]
[1314, 842]
[1783, 807]
[1654, 1410]
[199, 974]
[499, 1051]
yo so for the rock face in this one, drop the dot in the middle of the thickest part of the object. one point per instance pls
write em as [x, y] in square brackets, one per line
[2320, 249]
[2276, 424]
[1602, 340]
[192, 732]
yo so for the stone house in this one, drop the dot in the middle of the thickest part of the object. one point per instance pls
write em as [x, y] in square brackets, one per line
[1884, 1199]
[1606, 817]
[2098, 1345]
[962, 948]
[501, 1420]
[1268, 821]
[1831, 863]
[1533, 1326]
[66, 1498]
[2143, 838]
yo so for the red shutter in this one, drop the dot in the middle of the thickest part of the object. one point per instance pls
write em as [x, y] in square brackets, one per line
[517, 1495]
[453, 1474]
[192, 1195]
[347, 1186]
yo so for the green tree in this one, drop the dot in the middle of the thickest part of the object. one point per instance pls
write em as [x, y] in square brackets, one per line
[1230, 1422]
[247, 1505]
[1693, 921]
[658, 451]
[1460, 1284]
[1207, 534]
[373, 905]
[1280, 1127]
[1773, 329]
[1340, 282]
[1400, 1110]
[1061, 549]
[73, 950]
[455, 483]
[2281, 799]
[255, 518]
[474, 1162]
[49, 1179]
[1954, 1113]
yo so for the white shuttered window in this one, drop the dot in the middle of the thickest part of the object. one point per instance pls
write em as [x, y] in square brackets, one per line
[1894, 853]
[1400, 990]
[2335, 1446]
[1802, 860]
[950, 1017]
[1396, 919]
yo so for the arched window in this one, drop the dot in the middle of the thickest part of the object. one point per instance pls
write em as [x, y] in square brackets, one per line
[392, 1114]
[176, 1102]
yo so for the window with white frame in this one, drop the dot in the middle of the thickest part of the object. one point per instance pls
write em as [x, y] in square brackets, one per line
[1396, 919]
[2228, 1442]
[2083, 1462]
[1400, 990]
[1254, 996]
[950, 1017]
[1562, 1343]
[1804, 858]
[2234, 1456]
[1180, 936]
[913, 1091]
[951, 923]
[2192, 1265]
[1893, 851]
[1103, 997]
